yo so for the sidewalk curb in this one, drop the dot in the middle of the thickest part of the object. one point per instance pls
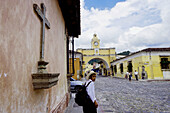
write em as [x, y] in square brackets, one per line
[70, 106]
[145, 80]
[158, 80]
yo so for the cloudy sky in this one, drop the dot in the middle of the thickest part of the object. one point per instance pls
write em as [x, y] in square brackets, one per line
[125, 24]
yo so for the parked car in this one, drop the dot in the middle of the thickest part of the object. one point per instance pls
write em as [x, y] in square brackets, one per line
[75, 84]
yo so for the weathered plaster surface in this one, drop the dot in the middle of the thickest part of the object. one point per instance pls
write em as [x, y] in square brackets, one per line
[19, 54]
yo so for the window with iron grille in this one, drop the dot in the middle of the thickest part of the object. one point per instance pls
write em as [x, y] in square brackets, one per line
[164, 63]
[129, 66]
[121, 67]
[115, 69]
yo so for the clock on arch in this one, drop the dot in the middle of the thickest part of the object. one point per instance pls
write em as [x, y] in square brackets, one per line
[96, 43]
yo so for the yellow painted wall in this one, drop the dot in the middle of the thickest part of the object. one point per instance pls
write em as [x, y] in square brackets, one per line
[88, 52]
[137, 65]
[76, 67]
[112, 58]
[112, 51]
[152, 67]
[80, 50]
[104, 52]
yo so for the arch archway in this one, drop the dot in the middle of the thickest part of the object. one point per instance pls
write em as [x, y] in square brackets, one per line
[100, 59]
[101, 66]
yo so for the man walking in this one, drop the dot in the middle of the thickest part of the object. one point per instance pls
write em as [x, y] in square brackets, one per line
[126, 75]
[136, 75]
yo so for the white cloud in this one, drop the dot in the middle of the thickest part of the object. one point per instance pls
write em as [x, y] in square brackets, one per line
[131, 25]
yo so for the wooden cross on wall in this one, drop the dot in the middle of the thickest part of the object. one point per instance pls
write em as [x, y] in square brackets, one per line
[45, 22]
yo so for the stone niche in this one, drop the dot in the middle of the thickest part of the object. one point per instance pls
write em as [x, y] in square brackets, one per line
[42, 79]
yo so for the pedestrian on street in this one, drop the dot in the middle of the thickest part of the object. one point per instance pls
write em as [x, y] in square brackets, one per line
[143, 75]
[91, 106]
[136, 75]
[130, 76]
[127, 74]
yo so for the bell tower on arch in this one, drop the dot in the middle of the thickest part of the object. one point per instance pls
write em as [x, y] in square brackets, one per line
[95, 42]
[96, 53]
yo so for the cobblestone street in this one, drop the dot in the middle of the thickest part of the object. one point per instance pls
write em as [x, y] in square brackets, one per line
[115, 95]
[119, 95]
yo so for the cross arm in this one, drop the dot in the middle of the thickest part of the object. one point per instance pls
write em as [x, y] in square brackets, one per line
[47, 23]
[41, 15]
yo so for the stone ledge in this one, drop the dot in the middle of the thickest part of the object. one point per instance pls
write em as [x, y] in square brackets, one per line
[44, 80]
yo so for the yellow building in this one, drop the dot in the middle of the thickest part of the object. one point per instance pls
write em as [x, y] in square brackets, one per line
[76, 68]
[97, 55]
[154, 63]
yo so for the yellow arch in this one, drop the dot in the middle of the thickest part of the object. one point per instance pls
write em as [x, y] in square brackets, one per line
[104, 54]
[86, 59]
[103, 60]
